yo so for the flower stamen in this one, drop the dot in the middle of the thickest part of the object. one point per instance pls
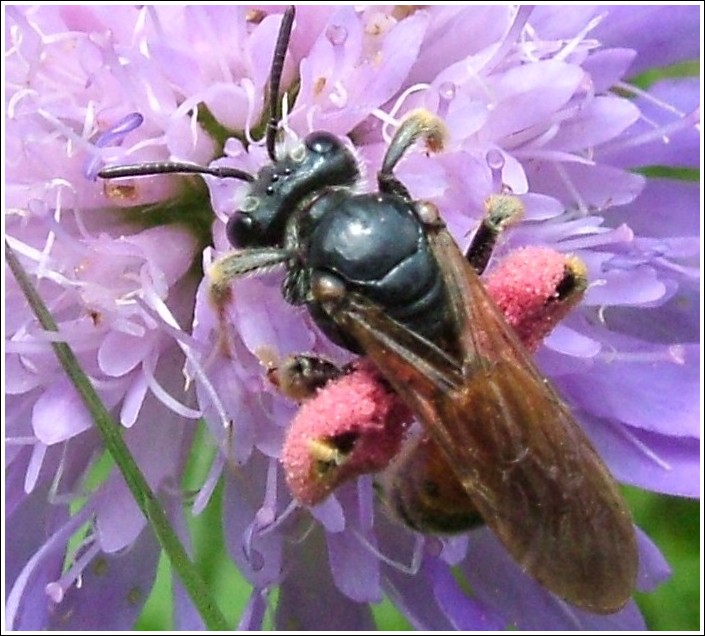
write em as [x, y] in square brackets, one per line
[674, 354]
[390, 118]
[56, 590]
[416, 556]
[165, 397]
[662, 133]
[510, 38]
[495, 162]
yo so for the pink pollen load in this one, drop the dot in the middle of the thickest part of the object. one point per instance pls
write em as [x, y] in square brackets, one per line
[353, 426]
[535, 287]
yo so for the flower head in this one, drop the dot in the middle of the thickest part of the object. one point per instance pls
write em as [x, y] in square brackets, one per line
[537, 103]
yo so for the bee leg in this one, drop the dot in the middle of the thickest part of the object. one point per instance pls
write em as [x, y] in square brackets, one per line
[300, 376]
[241, 263]
[501, 210]
[234, 265]
[418, 124]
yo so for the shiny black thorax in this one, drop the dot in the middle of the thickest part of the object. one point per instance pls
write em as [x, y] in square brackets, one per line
[374, 243]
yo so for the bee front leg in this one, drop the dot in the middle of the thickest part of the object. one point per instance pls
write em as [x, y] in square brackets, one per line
[418, 124]
[233, 265]
[250, 262]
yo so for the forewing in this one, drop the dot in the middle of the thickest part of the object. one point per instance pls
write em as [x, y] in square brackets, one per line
[526, 464]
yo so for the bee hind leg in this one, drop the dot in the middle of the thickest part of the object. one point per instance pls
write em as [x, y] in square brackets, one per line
[300, 376]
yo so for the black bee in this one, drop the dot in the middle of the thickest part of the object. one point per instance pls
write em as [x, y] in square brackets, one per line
[382, 276]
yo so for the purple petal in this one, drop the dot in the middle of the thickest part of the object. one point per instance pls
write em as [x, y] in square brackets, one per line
[329, 513]
[18, 378]
[668, 133]
[481, 26]
[113, 590]
[607, 67]
[528, 95]
[27, 605]
[308, 597]
[464, 612]
[654, 388]
[166, 267]
[414, 596]
[253, 615]
[332, 57]
[265, 320]
[539, 207]
[405, 583]
[16, 465]
[355, 568]
[637, 286]
[369, 84]
[678, 317]
[63, 466]
[599, 120]
[186, 616]
[398, 52]
[26, 530]
[119, 521]
[230, 388]
[257, 555]
[497, 581]
[653, 567]
[59, 413]
[661, 35]
[454, 549]
[599, 186]
[157, 443]
[120, 352]
[661, 463]
[179, 66]
[133, 400]
[665, 208]
[570, 342]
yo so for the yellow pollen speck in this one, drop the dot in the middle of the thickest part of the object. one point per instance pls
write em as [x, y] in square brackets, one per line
[123, 192]
[402, 11]
[319, 85]
[323, 451]
[134, 595]
[378, 24]
[255, 16]
[100, 566]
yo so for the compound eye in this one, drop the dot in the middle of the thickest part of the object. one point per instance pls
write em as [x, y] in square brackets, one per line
[241, 231]
[322, 143]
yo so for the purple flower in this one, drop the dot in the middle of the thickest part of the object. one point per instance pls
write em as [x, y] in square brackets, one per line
[537, 102]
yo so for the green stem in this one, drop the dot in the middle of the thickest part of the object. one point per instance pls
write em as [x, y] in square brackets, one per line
[112, 438]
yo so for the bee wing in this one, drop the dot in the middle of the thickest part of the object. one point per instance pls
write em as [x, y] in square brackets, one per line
[524, 461]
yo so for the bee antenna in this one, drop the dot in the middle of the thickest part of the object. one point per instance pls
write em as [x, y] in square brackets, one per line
[275, 77]
[172, 167]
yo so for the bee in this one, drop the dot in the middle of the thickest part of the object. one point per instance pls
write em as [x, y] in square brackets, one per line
[381, 276]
